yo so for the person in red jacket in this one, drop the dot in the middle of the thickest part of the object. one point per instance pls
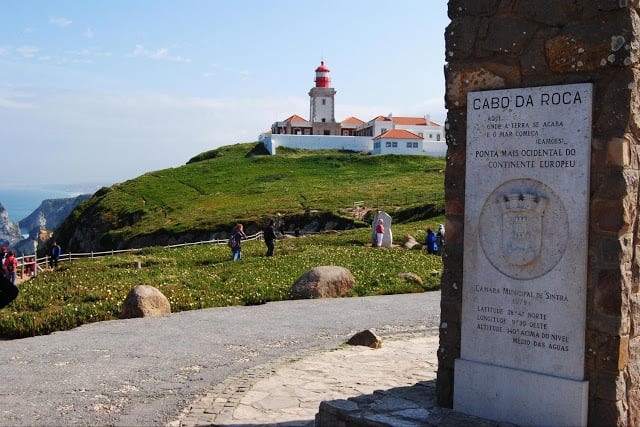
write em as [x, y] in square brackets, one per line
[379, 232]
[11, 267]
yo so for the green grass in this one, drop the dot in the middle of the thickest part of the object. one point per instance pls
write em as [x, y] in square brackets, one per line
[218, 188]
[213, 191]
[196, 277]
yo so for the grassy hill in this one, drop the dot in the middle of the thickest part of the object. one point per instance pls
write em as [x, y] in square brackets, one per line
[209, 194]
[238, 183]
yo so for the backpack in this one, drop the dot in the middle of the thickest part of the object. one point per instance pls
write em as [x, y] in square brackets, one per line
[232, 242]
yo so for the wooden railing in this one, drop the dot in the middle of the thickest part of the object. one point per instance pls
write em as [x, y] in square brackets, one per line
[29, 263]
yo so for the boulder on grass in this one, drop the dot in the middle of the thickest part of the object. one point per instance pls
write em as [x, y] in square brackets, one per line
[367, 338]
[145, 301]
[410, 242]
[327, 281]
[411, 278]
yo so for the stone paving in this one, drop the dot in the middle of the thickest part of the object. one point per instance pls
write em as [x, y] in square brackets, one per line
[393, 385]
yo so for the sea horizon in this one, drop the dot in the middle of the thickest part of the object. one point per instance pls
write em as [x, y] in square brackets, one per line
[21, 201]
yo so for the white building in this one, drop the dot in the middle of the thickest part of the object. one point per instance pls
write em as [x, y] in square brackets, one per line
[398, 141]
[323, 132]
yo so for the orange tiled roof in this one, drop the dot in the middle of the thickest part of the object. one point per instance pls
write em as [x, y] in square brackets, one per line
[380, 119]
[398, 134]
[353, 120]
[410, 121]
[295, 118]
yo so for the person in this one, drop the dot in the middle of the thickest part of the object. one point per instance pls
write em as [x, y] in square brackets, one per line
[379, 232]
[3, 255]
[270, 238]
[235, 242]
[11, 267]
[30, 267]
[431, 242]
[8, 291]
[55, 254]
[440, 239]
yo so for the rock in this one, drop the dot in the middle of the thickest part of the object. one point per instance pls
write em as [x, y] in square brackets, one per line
[410, 242]
[50, 214]
[145, 301]
[9, 231]
[367, 338]
[323, 282]
[411, 278]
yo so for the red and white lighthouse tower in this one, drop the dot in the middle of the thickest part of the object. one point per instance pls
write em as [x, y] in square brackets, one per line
[322, 115]
[322, 76]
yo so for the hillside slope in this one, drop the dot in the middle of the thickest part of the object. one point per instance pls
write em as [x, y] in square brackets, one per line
[205, 197]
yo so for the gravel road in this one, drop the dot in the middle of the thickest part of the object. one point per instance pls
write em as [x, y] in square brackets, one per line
[145, 371]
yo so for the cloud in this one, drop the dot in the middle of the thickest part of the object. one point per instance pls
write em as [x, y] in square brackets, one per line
[89, 53]
[27, 51]
[14, 104]
[88, 33]
[15, 98]
[159, 54]
[5, 50]
[60, 21]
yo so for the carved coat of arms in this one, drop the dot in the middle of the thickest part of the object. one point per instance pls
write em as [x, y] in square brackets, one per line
[522, 235]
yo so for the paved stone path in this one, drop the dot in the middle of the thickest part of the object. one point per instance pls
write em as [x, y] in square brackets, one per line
[289, 392]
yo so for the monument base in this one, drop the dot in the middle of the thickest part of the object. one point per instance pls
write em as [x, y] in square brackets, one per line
[519, 397]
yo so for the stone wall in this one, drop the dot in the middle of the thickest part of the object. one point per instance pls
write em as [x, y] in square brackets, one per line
[495, 44]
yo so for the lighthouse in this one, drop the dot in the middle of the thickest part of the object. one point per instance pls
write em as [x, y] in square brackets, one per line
[322, 112]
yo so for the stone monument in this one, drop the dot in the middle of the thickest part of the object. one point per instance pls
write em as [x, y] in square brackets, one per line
[525, 256]
[387, 237]
[540, 296]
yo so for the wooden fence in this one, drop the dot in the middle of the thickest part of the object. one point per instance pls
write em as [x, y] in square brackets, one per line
[31, 264]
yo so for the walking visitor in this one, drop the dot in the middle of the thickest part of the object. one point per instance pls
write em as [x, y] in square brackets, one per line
[235, 242]
[270, 238]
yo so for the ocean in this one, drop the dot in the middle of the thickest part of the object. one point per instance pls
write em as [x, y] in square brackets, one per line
[20, 202]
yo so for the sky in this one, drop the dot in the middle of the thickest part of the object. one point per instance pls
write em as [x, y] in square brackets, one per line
[104, 91]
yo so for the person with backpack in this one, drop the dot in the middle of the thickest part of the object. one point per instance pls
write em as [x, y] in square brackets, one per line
[55, 254]
[431, 242]
[270, 238]
[234, 242]
[11, 267]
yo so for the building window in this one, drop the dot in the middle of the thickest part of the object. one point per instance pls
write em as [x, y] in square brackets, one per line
[345, 132]
[388, 143]
[438, 137]
[324, 101]
[297, 131]
[383, 130]
[394, 144]
[430, 136]
[326, 132]
[415, 145]
[420, 134]
[409, 144]
[324, 120]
